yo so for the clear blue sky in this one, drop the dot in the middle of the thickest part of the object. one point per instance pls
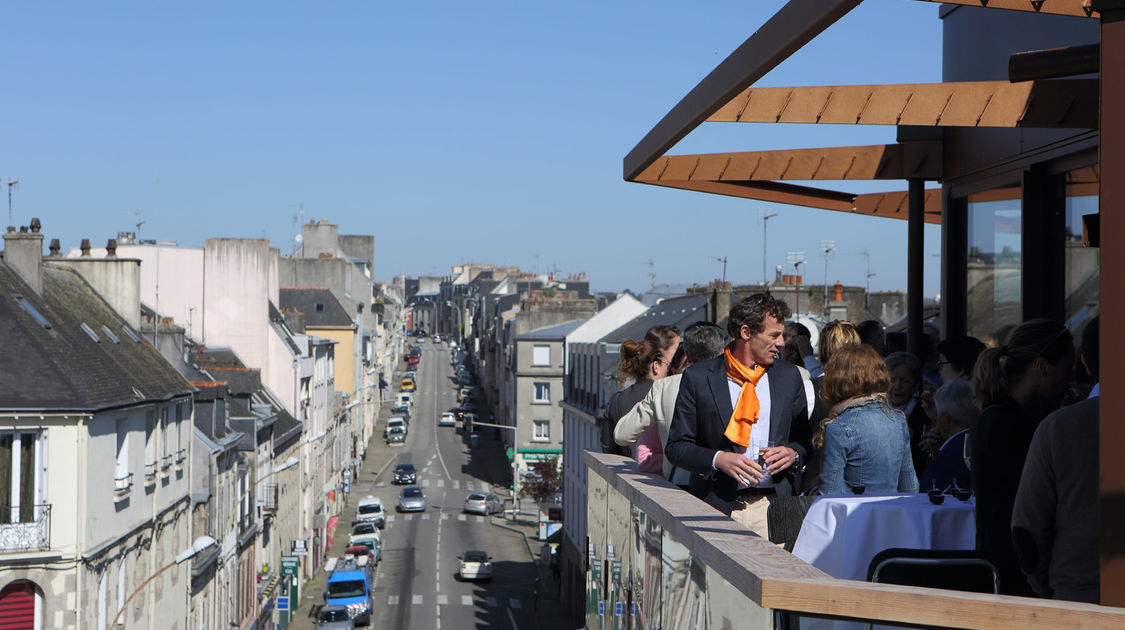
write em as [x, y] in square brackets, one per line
[452, 131]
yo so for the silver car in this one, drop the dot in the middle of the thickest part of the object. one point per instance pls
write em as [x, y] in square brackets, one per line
[482, 503]
[412, 500]
[334, 618]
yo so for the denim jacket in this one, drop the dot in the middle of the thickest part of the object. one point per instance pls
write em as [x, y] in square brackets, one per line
[867, 450]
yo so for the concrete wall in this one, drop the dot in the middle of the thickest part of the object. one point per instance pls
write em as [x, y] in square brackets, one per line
[236, 298]
[117, 280]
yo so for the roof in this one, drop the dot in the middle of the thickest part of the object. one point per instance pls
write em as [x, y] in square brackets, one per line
[680, 312]
[53, 363]
[317, 304]
[551, 333]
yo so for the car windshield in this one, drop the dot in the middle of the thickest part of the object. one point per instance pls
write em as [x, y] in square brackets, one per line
[346, 588]
[396, 429]
[370, 508]
[412, 493]
[406, 469]
[475, 556]
[336, 614]
[476, 497]
[363, 528]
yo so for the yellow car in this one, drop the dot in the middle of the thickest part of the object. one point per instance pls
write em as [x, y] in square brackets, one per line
[408, 385]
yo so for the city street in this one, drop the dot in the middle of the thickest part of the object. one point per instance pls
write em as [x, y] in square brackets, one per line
[416, 580]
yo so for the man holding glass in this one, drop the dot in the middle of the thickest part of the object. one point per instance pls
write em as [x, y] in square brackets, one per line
[741, 420]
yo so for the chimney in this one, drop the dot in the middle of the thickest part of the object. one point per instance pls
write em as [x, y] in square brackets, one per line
[778, 279]
[720, 300]
[55, 248]
[85, 247]
[23, 251]
[111, 248]
[839, 291]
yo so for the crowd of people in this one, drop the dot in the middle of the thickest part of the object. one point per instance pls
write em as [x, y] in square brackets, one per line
[741, 416]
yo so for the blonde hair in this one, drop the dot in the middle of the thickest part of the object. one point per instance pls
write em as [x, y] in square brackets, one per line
[855, 370]
[837, 334]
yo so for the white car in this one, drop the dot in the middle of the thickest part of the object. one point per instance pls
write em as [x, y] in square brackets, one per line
[447, 419]
[475, 565]
[364, 532]
[392, 422]
[371, 509]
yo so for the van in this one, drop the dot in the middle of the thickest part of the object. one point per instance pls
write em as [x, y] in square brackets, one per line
[349, 584]
[405, 399]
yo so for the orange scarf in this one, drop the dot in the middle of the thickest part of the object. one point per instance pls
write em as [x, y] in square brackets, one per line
[746, 409]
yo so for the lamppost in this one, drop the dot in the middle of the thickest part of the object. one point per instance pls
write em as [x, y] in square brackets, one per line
[200, 545]
[828, 247]
[797, 259]
[765, 224]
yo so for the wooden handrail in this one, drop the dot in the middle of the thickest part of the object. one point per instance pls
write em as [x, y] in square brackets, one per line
[774, 578]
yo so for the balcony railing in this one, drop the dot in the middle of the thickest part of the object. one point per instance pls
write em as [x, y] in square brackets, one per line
[181, 456]
[29, 528]
[660, 558]
[122, 486]
[150, 473]
[165, 462]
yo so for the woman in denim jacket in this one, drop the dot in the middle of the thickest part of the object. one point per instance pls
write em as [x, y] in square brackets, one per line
[865, 441]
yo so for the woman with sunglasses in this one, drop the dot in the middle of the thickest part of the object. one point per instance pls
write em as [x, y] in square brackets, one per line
[1016, 386]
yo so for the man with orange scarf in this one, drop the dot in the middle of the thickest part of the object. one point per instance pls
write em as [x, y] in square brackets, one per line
[738, 409]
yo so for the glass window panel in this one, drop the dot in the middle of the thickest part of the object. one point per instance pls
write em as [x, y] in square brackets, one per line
[1082, 264]
[995, 302]
[6, 442]
[27, 477]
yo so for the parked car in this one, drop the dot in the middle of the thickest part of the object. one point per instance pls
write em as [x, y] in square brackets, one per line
[482, 503]
[393, 422]
[334, 618]
[371, 509]
[447, 419]
[400, 409]
[412, 500]
[405, 474]
[396, 435]
[363, 532]
[475, 565]
[371, 549]
[349, 585]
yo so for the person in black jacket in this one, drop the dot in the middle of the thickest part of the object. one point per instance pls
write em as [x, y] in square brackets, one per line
[641, 364]
[739, 409]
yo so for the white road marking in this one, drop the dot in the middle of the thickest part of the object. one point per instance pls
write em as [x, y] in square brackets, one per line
[392, 600]
[456, 484]
[466, 600]
[512, 619]
[425, 517]
[460, 517]
[381, 484]
[484, 487]
[442, 600]
[480, 519]
[442, 460]
[417, 599]
[441, 483]
[425, 483]
[490, 602]
[514, 603]
[469, 486]
[410, 517]
[380, 574]
[390, 519]
[445, 517]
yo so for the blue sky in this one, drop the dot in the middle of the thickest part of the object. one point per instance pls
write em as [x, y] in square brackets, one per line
[452, 131]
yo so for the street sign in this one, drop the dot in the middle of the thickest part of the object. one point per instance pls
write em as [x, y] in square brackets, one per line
[617, 609]
[283, 603]
[290, 565]
[616, 564]
[299, 547]
[601, 609]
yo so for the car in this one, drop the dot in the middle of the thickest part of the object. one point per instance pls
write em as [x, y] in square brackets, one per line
[407, 384]
[370, 549]
[334, 618]
[405, 474]
[350, 584]
[411, 374]
[482, 503]
[363, 531]
[412, 500]
[392, 422]
[400, 409]
[447, 419]
[475, 565]
[371, 509]
[396, 435]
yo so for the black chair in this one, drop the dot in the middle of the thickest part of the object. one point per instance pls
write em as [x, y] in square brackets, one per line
[785, 516]
[969, 570]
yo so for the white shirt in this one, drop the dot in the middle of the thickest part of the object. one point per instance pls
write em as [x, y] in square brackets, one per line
[760, 430]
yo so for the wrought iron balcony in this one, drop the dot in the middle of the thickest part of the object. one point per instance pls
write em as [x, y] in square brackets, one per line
[165, 462]
[29, 529]
[181, 455]
[122, 486]
[150, 473]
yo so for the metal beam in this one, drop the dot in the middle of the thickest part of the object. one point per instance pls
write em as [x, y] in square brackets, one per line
[1076, 8]
[1062, 103]
[915, 261]
[796, 24]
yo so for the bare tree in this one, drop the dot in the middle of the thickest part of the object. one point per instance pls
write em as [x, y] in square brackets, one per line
[542, 483]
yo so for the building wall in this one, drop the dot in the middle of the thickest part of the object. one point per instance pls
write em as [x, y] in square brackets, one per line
[283, 375]
[117, 280]
[236, 298]
[344, 358]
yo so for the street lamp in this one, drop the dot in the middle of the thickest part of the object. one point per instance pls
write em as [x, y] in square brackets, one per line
[828, 247]
[200, 545]
[797, 259]
[765, 224]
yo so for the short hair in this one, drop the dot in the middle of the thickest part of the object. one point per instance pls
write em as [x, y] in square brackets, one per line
[836, 335]
[796, 329]
[955, 398]
[703, 341]
[872, 333]
[896, 360]
[637, 357]
[854, 370]
[752, 311]
[962, 352]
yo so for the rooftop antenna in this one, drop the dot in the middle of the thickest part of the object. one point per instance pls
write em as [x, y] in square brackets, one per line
[13, 182]
[651, 273]
[136, 213]
[867, 277]
[298, 227]
[797, 259]
[828, 247]
[724, 261]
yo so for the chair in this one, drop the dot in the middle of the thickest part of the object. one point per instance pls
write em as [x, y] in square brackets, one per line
[957, 570]
[785, 516]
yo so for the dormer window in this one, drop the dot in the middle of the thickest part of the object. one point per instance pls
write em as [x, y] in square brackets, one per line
[319, 307]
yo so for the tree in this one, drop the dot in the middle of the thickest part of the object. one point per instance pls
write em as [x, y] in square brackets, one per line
[542, 483]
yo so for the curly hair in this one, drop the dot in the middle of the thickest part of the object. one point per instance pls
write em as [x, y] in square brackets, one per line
[636, 357]
[854, 370]
[752, 311]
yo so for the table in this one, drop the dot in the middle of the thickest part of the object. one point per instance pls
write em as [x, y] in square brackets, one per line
[841, 534]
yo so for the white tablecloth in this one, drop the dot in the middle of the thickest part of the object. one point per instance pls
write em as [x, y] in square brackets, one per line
[841, 534]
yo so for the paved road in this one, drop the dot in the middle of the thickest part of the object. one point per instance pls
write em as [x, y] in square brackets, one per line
[416, 584]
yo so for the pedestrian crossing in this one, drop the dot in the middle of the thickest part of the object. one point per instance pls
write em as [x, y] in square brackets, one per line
[465, 600]
[471, 486]
[392, 518]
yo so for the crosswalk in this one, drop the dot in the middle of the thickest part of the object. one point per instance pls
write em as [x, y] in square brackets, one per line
[471, 486]
[392, 518]
[465, 600]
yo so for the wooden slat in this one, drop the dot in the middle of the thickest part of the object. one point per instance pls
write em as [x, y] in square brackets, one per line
[1076, 8]
[1060, 103]
[776, 579]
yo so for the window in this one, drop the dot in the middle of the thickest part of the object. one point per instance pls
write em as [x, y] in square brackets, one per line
[17, 477]
[994, 268]
[150, 438]
[542, 392]
[165, 442]
[541, 355]
[542, 430]
[121, 471]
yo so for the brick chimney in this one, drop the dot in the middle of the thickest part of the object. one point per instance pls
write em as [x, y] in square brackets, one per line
[23, 251]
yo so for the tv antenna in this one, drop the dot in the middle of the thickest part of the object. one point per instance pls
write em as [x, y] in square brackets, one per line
[651, 272]
[137, 214]
[13, 183]
[828, 247]
[797, 259]
[724, 261]
[298, 227]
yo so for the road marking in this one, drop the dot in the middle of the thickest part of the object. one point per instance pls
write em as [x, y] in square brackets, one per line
[456, 484]
[425, 483]
[409, 517]
[480, 519]
[466, 600]
[512, 619]
[380, 574]
[425, 517]
[417, 599]
[441, 483]
[381, 484]
[514, 603]
[484, 487]
[469, 486]
[445, 517]
[460, 517]
[490, 602]
[392, 600]
[442, 460]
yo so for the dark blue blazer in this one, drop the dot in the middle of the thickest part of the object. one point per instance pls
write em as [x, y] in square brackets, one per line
[703, 409]
[948, 465]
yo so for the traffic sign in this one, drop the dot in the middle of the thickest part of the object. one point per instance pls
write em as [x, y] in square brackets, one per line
[283, 603]
[289, 565]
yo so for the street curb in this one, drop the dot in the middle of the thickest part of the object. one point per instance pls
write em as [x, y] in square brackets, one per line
[526, 543]
[385, 467]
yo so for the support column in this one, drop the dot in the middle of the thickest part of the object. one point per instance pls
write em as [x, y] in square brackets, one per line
[1111, 207]
[954, 265]
[915, 258]
[1043, 250]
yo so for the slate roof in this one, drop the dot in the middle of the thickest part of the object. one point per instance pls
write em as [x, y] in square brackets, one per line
[317, 304]
[551, 333]
[680, 312]
[50, 363]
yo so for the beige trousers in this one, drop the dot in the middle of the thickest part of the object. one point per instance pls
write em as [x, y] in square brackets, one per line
[750, 512]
